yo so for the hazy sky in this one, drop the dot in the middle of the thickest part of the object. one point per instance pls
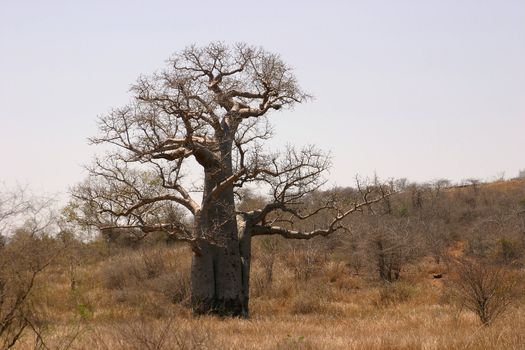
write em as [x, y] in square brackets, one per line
[419, 89]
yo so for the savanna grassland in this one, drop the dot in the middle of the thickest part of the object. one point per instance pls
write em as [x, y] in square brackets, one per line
[392, 282]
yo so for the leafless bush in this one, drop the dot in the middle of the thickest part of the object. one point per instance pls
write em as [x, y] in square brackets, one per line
[122, 272]
[395, 293]
[353, 253]
[334, 271]
[174, 285]
[482, 237]
[391, 245]
[436, 236]
[306, 305]
[21, 261]
[309, 301]
[24, 253]
[194, 339]
[145, 334]
[267, 254]
[156, 269]
[258, 282]
[508, 251]
[295, 343]
[305, 259]
[484, 289]
[153, 263]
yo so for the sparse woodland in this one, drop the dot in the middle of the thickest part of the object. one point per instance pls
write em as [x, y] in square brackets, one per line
[409, 273]
[255, 251]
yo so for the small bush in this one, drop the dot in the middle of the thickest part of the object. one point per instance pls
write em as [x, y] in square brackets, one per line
[311, 298]
[508, 251]
[348, 284]
[153, 263]
[305, 305]
[84, 311]
[144, 334]
[396, 293]
[305, 263]
[23, 258]
[486, 290]
[295, 343]
[267, 254]
[120, 273]
[259, 283]
[334, 271]
[174, 285]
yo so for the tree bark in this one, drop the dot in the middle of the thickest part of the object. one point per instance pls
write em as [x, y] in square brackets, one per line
[217, 270]
[216, 281]
[217, 275]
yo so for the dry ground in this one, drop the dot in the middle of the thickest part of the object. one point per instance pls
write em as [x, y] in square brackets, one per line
[406, 327]
[332, 309]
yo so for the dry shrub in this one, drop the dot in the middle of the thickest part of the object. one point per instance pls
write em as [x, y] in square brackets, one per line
[22, 260]
[194, 339]
[157, 269]
[153, 263]
[341, 282]
[265, 255]
[259, 284]
[508, 251]
[130, 296]
[396, 292]
[122, 272]
[148, 282]
[348, 284]
[305, 262]
[311, 297]
[352, 251]
[175, 286]
[145, 334]
[296, 343]
[483, 289]
[334, 271]
[283, 286]
[306, 304]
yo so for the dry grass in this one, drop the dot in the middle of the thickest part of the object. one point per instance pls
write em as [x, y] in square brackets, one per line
[400, 327]
[331, 309]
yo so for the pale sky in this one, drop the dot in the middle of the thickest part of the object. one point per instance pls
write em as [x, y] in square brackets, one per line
[417, 89]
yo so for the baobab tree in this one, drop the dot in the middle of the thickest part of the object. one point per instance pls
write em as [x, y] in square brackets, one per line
[208, 108]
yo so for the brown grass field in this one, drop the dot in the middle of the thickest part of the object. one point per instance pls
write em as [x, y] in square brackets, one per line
[317, 294]
[332, 309]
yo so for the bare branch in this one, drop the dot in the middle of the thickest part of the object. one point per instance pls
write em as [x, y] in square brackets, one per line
[333, 226]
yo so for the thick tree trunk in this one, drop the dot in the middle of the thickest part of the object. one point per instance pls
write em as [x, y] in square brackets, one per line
[218, 275]
[216, 281]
